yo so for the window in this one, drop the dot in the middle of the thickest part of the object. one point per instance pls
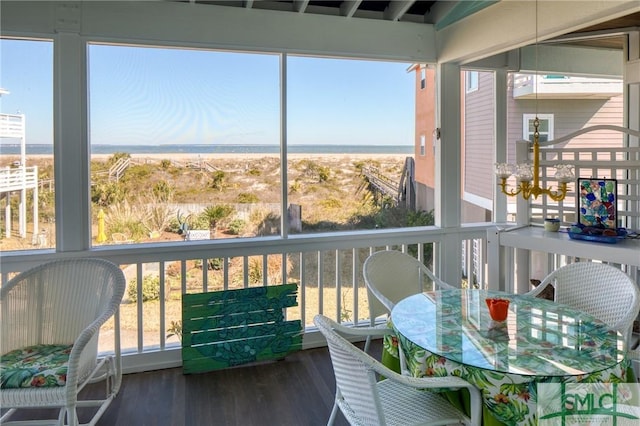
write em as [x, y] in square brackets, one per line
[545, 129]
[471, 81]
[423, 141]
[26, 143]
[175, 158]
[339, 129]
[423, 78]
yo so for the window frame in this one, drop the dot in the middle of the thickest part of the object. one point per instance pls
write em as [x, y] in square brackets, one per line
[527, 118]
[471, 81]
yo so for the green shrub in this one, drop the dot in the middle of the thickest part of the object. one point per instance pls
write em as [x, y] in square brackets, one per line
[295, 187]
[254, 172]
[107, 193]
[420, 218]
[331, 203]
[126, 219]
[323, 173]
[236, 226]
[150, 288]
[245, 198]
[117, 156]
[216, 214]
[217, 180]
[215, 264]
[163, 191]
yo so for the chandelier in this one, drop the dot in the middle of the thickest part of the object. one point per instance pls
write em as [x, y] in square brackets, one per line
[525, 173]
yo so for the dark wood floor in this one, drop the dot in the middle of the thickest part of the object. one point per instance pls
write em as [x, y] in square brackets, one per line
[296, 391]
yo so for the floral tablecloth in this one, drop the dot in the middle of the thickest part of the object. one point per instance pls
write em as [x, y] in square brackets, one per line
[587, 352]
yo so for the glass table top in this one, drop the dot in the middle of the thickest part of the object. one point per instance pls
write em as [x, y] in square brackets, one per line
[539, 337]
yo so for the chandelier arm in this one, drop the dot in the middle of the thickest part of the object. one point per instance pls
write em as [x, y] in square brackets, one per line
[511, 193]
[557, 195]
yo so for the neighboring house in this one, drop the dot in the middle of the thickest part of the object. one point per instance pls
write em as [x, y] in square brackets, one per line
[424, 140]
[563, 105]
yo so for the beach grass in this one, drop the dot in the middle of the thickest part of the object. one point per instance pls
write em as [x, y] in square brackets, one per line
[329, 189]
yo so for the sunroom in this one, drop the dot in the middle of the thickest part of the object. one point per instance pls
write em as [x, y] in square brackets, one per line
[478, 236]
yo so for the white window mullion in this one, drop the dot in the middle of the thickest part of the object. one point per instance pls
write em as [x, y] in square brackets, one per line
[71, 151]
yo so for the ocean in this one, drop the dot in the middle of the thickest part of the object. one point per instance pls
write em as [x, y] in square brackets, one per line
[32, 149]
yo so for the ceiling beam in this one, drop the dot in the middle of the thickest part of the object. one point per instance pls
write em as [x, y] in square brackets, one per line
[510, 24]
[396, 9]
[571, 60]
[300, 5]
[223, 27]
[348, 8]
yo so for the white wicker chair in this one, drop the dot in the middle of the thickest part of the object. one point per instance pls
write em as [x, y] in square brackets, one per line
[394, 400]
[599, 289]
[63, 302]
[390, 276]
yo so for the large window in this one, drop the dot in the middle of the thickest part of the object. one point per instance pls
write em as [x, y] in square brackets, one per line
[348, 136]
[184, 144]
[26, 145]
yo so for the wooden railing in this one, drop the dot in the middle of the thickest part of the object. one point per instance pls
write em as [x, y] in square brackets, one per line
[116, 171]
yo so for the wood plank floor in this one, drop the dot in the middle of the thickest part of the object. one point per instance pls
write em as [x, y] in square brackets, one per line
[296, 391]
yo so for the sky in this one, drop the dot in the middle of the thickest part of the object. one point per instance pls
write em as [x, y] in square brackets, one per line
[152, 96]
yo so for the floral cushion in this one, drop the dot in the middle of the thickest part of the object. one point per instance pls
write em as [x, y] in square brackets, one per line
[35, 366]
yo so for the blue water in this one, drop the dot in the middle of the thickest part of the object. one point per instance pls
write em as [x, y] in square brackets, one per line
[14, 149]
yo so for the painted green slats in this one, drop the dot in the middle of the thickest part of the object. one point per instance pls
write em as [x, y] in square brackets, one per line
[213, 309]
[234, 327]
[199, 359]
[232, 320]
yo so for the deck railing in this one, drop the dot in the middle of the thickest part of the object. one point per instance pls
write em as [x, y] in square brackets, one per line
[327, 267]
[18, 178]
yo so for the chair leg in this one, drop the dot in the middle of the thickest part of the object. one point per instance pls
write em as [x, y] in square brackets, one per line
[72, 416]
[334, 411]
[403, 362]
[5, 417]
[366, 344]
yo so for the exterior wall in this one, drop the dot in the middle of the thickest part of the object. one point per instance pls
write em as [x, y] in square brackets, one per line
[479, 129]
[425, 125]
[425, 197]
[569, 115]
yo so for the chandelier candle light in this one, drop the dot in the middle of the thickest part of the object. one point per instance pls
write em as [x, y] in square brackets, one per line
[525, 173]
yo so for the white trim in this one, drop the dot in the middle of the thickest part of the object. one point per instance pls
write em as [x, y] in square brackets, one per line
[210, 26]
[477, 200]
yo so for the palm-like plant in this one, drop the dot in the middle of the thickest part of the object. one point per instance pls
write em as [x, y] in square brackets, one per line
[217, 213]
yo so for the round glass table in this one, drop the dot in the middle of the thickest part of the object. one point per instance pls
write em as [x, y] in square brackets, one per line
[450, 332]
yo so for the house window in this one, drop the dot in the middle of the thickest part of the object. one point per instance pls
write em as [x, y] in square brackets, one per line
[423, 78]
[471, 81]
[422, 144]
[545, 128]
